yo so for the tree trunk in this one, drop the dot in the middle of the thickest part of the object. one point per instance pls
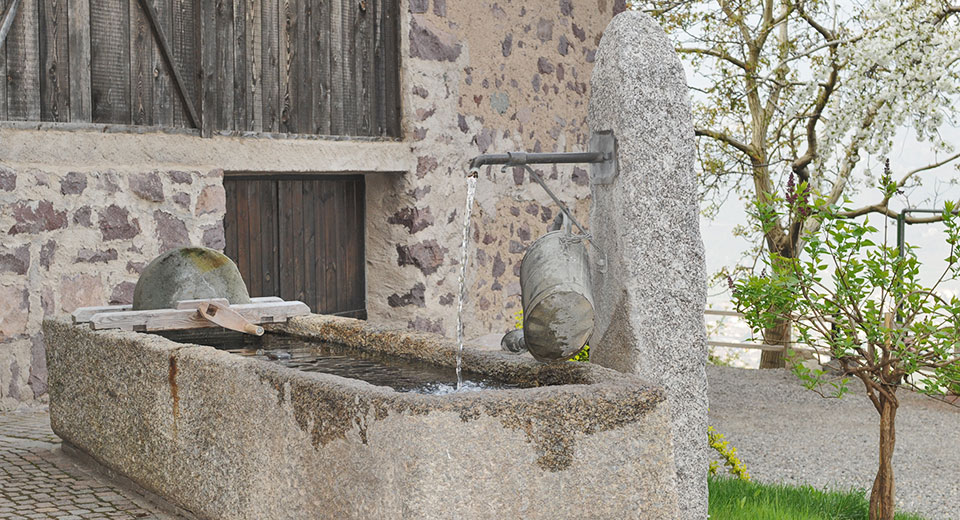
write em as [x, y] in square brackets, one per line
[779, 334]
[881, 498]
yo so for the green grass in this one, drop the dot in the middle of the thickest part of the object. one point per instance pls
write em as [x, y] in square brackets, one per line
[736, 499]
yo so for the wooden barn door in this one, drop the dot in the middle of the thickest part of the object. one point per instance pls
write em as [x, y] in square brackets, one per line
[300, 238]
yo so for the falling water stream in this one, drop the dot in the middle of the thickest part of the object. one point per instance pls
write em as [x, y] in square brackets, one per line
[471, 194]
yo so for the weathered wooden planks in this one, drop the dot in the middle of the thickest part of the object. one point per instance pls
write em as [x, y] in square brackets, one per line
[309, 242]
[311, 67]
[23, 64]
[184, 39]
[54, 76]
[4, 5]
[141, 67]
[176, 319]
[81, 108]
[110, 61]
[83, 314]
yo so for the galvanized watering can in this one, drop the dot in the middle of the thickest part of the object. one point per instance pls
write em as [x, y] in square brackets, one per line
[557, 296]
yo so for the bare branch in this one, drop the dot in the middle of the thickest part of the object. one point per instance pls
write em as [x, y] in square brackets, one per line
[911, 173]
[728, 140]
[715, 53]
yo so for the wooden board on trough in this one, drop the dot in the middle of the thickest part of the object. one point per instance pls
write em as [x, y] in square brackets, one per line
[258, 312]
[83, 314]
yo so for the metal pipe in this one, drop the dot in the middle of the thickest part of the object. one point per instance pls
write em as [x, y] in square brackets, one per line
[522, 158]
[902, 225]
[563, 207]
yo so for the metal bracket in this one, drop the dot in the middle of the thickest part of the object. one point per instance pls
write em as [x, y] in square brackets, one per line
[606, 171]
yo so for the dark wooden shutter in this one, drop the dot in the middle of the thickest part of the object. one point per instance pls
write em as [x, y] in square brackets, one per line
[300, 238]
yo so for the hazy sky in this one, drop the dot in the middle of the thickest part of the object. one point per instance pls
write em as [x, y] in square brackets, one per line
[725, 250]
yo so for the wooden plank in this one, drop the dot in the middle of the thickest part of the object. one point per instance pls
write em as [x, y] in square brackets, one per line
[288, 55]
[254, 55]
[110, 61]
[379, 64]
[251, 241]
[243, 230]
[209, 96]
[54, 61]
[390, 42]
[81, 106]
[320, 62]
[350, 245]
[83, 314]
[141, 67]
[230, 219]
[166, 60]
[336, 62]
[362, 66]
[186, 56]
[288, 249]
[758, 346]
[319, 251]
[359, 276]
[330, 246]
[343, 283]
[349, 52]
[269, 246]
[296, 229]
[160, 15]
[239, 78]
[712, 312]
[4, 5]
[309, 204]
[194, 304]
[270, 56]
[225, 71]
[172, 319]
[265, 299]
[23, 64]
[303, 100]
[227, 318]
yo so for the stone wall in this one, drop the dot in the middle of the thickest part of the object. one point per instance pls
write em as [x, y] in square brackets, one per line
[81, 212]
[483, 77]
[79, 237]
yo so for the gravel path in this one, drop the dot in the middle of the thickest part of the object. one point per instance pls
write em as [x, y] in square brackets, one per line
[785, 433]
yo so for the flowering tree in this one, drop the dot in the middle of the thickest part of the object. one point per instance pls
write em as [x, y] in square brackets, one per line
[863, 304]
[799, 91]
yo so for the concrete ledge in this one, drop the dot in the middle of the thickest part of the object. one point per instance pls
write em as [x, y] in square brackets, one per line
[230, 437]
[96, 149]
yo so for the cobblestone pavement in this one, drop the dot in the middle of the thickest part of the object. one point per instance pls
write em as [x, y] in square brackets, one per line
[37, 480]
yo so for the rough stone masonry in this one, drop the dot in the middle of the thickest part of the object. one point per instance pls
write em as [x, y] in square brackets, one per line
[650, 300]
[83, 211]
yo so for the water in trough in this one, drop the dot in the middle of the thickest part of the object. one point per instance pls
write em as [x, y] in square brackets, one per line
[401, 374]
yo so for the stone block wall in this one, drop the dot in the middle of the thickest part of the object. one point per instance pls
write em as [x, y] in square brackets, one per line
[74, 238]
[482, 77]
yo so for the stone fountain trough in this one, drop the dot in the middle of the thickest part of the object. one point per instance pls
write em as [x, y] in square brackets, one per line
[225, 436]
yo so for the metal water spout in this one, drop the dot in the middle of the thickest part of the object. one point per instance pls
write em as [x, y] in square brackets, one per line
[555, 286]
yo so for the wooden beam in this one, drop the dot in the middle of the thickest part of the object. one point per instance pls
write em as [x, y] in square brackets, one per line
[81, 108]
[171, 64]
[83, 314]
[173, 319]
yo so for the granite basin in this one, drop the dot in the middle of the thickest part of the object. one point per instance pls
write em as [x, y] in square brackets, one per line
[232, 437]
